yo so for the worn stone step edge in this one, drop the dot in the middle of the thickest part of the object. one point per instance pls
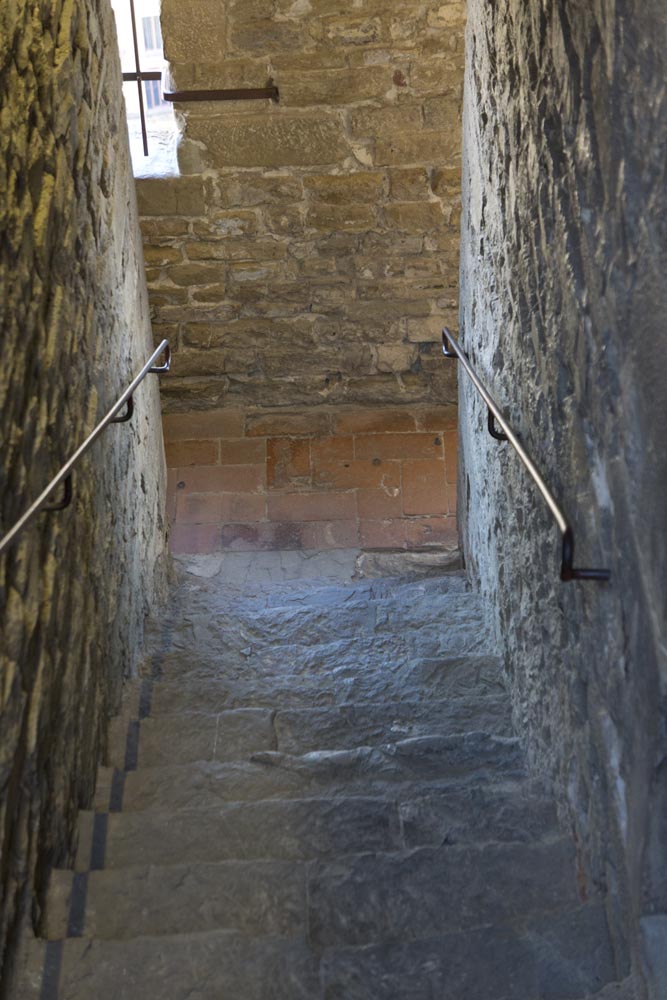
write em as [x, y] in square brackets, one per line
[203, 834]
[275, 897]
[460, 672]
[487, 964]
[271, 774]
[190, 736]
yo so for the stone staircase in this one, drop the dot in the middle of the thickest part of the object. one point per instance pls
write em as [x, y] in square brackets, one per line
[314, 792]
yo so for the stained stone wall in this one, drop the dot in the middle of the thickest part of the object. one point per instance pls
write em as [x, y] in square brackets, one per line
[74, 328]
[563, 305]
[309, 252]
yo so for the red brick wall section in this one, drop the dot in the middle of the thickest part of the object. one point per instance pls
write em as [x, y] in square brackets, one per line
[312, 479]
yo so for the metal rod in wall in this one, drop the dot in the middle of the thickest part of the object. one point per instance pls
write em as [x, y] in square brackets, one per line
[451, 349]
[269, 92]
[142, 114]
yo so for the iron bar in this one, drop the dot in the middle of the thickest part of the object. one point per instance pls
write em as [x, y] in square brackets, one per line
[451, 349]
[142, 114]
[65, 473]
[269, 92]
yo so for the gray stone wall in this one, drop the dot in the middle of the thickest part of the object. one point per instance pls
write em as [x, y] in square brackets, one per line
[74, 329]
[563, 304]
[311, 252]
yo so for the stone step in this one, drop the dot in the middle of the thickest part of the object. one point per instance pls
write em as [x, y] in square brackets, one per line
[233, 656]
[313, 680]
[254, 898]
[564, 956]
[227, 736]
[355, 901]
[351, 901]
[458, 618]
[284, 829]
[310, 828]
[213, 966]
[271, 774]
[234, 735]
[553, 957]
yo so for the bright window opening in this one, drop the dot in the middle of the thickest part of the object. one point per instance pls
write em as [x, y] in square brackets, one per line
[150, 119]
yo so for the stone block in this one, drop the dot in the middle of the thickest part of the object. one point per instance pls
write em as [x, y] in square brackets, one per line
[225, 223]
[409, 184]
[289, 424]
[333, 87]
[194, 538]
[192, 33]
[343, 31]
[382, 122]
[223, 479]
[159, 256]
[345, 189]
[438, 75]
[413, 148]
[191, 453]
[195, 508]
[395, 357]
[424, 488]
[320, 506]
[164, 196]
[384, 533]
[236, 250]
[342, 218]
[377, 504]
[398, 446]
[263, 36]
[258, 189]
[195, 425]
[374, 421]
[431, 532]
[444, 114]
[269, 141]
[242, 452]
[288, 462]
[419, 216]
[194, 274]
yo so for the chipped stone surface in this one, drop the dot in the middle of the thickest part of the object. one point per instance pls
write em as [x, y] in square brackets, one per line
[74, 331]
[563, 315]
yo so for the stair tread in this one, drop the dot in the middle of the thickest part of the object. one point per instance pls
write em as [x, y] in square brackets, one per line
[356, 898]
[309, 679]
[235, 734]
[271, 774]
[554, 958]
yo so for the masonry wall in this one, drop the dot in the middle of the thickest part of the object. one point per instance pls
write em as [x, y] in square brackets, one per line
[74, 328]
[563, 305]
[309, 254]
[334, 478]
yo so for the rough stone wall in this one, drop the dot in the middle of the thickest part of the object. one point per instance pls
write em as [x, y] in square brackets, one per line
[563, 305]
[311, 253]
[74, 329]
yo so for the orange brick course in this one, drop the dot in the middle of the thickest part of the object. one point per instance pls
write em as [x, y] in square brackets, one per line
[312, 479]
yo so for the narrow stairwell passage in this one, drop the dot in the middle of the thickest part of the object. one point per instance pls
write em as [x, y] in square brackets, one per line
[314, 792]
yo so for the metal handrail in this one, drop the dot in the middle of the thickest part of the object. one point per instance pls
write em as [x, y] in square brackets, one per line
[64, 476]
[567, 570]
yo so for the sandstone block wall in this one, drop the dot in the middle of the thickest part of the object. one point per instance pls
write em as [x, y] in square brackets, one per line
[563, 305]
[74, 329]
[298, 479]
[309, 254]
